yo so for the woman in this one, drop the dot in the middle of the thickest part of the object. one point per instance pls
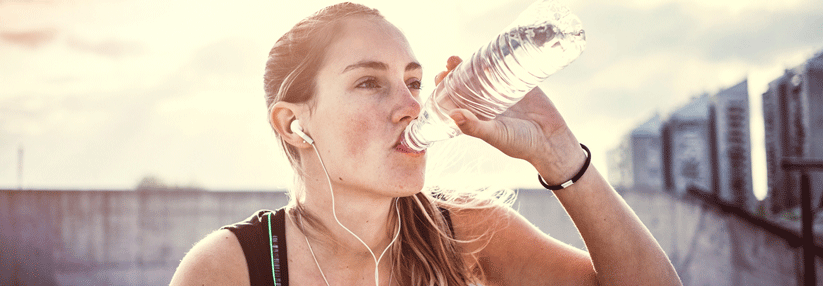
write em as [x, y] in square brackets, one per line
[358, 216]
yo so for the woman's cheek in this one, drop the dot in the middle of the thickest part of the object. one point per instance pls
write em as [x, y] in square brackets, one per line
[359, 133]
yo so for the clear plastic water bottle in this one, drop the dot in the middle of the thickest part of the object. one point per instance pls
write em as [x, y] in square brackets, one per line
[545, 38]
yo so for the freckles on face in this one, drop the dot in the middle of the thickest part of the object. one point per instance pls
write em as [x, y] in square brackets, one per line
[358, 132]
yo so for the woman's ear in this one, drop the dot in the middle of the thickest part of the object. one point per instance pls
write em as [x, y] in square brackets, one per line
[281, 117]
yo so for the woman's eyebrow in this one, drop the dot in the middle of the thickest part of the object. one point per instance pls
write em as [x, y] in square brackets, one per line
[367, 64]
[378, 66]
[413, 66]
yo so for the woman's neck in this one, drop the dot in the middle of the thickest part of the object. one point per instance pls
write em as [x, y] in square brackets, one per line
[368, 217]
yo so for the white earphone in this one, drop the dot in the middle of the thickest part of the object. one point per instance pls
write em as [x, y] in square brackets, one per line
[296, 128]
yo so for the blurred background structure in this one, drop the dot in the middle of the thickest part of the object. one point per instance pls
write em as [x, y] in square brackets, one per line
[706, 151]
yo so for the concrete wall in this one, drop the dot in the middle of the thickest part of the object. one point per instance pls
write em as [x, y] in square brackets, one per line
[111, 237]
[138, 238]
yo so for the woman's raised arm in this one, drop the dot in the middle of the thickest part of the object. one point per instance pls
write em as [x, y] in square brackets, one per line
[621, 249]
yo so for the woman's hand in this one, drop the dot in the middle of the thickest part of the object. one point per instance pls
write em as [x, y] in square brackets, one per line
[532, 130]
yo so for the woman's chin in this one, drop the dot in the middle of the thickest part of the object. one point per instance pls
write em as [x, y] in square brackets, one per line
[407, 188]
[410, 191]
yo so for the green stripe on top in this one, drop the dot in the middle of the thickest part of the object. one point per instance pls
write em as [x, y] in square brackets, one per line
[271, 251]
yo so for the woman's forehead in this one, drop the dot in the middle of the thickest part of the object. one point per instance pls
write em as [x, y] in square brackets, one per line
[369, 38]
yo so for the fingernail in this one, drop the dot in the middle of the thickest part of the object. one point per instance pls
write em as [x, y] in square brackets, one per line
[458, 118]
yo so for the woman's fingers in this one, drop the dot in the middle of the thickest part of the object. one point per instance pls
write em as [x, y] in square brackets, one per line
[451, 63]
[470, 125]
[439, 77]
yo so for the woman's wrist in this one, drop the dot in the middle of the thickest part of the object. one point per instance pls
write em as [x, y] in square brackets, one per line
[562, 159]
[573, 179]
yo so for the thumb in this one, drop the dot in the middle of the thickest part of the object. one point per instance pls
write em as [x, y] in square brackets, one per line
[470, 125]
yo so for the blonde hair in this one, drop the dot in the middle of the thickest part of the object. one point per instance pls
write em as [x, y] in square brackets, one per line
[426, 252]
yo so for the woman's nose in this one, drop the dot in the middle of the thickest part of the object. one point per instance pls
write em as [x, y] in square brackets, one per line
[408, 106]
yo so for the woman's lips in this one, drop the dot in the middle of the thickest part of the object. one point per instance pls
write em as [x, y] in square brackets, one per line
[402, 148]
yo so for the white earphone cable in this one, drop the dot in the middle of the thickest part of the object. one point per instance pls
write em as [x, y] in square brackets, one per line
[334, 213]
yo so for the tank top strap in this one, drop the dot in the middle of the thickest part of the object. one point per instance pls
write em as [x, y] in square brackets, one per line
[266, 254]
[279, 255]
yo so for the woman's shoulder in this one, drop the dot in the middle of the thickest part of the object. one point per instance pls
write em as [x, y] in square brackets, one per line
[476, 213]
[217, 259]
[220, 257]
[477, 221]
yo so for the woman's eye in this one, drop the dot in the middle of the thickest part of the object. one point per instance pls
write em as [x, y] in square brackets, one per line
[414, 85]
[371, 83]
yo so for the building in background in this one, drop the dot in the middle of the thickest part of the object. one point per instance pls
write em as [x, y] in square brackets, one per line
[686, 149]
[793, 121]
[646, 154]
[705, 145]
[780, 195]
[618, 165]
[636, 164]
[731, 147]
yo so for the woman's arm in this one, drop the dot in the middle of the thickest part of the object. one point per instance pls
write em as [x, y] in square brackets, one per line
[218, 259]
[512, 251]
[621, 250]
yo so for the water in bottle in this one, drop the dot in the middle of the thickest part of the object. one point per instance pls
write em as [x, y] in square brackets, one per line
[544, 39]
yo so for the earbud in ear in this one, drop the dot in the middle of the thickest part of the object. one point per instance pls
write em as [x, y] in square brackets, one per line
[297, 129]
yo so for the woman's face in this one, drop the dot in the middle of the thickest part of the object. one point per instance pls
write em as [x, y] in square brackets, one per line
[367, 91]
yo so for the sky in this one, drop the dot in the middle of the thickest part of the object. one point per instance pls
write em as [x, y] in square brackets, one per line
[100, 94]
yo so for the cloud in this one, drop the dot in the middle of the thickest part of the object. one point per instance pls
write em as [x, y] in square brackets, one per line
[109, 48]
[759, 37]
[734, 6]
[710, 34]
[29, 39]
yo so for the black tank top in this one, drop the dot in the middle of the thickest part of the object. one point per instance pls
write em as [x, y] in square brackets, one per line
[253, 234]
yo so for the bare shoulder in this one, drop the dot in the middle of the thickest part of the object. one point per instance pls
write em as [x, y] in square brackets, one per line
[512, 251]
[475, 222]
[218, 259]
